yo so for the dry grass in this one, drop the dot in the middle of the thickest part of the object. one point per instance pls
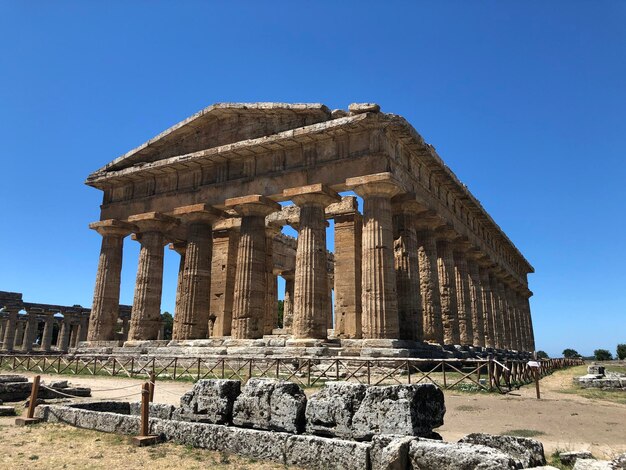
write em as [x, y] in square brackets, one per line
[57, 446]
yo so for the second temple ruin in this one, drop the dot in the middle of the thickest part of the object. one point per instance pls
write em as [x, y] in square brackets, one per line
[421, 263]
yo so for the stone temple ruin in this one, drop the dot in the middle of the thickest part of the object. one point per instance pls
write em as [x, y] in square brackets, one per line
[422, 265]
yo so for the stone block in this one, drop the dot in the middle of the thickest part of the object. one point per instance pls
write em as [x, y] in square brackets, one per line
[212, 398]
[619, 462]
[12, 378]
[410, 410]
[425, 454]
[569, 458]
[7, 411]
[591, 464]
[325, 453]
[528, 451]
[389, 452]
[329, 412]
[270, 404]
[155, 410]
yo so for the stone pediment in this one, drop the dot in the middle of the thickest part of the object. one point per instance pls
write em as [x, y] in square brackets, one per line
[221, 124]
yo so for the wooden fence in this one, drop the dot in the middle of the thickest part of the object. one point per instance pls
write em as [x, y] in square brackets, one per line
[469, 374]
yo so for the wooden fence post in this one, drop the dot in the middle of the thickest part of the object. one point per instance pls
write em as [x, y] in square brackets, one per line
[144, 438]
[152, 384]
[32, 404]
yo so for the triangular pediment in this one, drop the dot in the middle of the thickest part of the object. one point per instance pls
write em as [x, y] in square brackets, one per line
[221, 124]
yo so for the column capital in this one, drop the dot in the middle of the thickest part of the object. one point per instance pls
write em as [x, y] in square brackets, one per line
[317, 194]
[428, 220]
[153, 222]
[197, 213]
[179, 247]
[112, 227]
[462, 245]
[379, 184]
[406, 203]
[447, 233]
[254, 204]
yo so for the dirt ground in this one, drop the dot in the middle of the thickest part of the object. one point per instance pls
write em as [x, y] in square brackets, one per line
[562, 421]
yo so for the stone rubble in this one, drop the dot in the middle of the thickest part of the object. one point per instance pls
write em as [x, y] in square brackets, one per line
[569, 458]
[528, 451]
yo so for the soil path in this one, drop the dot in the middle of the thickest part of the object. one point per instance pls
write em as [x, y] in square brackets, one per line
[563, 421]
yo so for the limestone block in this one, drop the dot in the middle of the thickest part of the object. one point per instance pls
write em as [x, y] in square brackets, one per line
[427, 454]
[412, 410]
[619, 462]
[569, 458]
[215, 398]
[7, 411]
[270, 404]
[389, 452]
[591, 464]
[528, 451]
[156, 410]
[329, 412]
[325, 453]
[6, 378]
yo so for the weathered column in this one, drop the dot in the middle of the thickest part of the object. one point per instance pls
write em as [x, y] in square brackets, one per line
[329, 306]
[513, 318]
[46, 339]
[3, 324]
[476, 298]
[83, 329]
[487, 302]
[463, 294]
[250, 275]
[379, 295]
[19, 333]
[192, 319]
[289, 278]
[106, 297]
[521, 318]
[223, 268]
[348, 232]
[146, 314]
[531, 332]
[504, 316]
[125, 328]
[64, 335]
[406, 209]
[73, 334]
[9, 330]
[429, 279]
[310, 306]
[496, 308]
[271, 295]
[161, 334]
[447, 289]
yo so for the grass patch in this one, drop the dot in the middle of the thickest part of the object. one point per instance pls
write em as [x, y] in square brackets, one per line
[523, 433]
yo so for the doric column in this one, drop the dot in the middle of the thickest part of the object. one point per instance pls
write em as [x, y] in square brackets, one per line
[514, 318]
[447, 289]
[83, 328]
[250, 275]
[463, 294]
[192, 319]
[406, 209]
[531, 332]
[504, 316]
[64, 335]
[9, 330]
[106, 297]
[19, 333]
[146, 314]
[46, 339]
[348, 233]
[379, 295]
[476, 298]
[289, 277]
[125, 328]
[429, 280]
[3, 324]
[522, 319]
[487, 302]
[73, 334]
[310, 306]
[271, 296]
[161, 334]
[223, 268]
[496, 308]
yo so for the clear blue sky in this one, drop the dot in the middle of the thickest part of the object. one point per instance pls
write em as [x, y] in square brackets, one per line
[525, 101]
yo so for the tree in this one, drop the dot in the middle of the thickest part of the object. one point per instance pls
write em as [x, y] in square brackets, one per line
[570, 353]
[603, 355]
[542, 355]
[621, 351]
[281, 309]
[168, 322]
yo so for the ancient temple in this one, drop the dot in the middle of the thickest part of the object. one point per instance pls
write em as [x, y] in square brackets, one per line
[422, 261]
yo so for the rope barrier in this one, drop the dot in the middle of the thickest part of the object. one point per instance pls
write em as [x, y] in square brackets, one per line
[163, 389]
[74, 396]
[112, 389]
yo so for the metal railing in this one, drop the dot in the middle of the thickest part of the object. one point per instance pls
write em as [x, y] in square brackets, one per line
[468, 374]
